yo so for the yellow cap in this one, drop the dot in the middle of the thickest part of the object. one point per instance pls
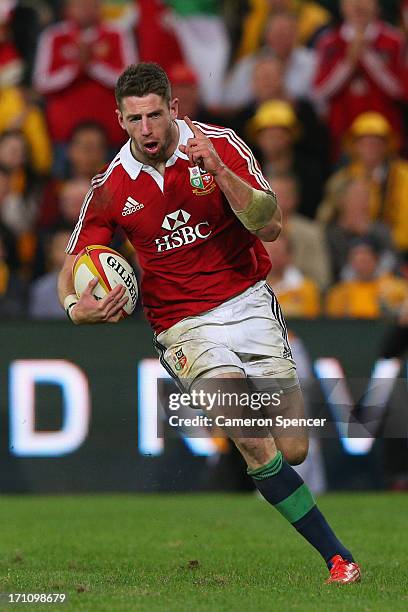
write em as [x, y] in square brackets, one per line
[370, 124]
[274, 113]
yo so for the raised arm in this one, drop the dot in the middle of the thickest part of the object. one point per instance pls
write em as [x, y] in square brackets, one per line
[257, 209]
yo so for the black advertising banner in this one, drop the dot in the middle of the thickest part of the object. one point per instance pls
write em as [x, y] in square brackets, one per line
[82, 408]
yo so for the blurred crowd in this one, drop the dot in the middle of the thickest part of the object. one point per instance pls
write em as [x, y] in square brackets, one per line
[319, 90]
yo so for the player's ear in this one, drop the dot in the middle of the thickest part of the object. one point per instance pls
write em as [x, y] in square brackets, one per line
[120, 118]
[174, 108]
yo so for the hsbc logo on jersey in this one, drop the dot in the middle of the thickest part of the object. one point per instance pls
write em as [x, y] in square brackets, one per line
[175, 219]
[181, 234]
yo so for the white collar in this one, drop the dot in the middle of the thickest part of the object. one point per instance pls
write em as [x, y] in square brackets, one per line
[133, 167]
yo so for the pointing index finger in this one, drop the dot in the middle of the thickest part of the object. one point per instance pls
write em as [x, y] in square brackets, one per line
[196, 131]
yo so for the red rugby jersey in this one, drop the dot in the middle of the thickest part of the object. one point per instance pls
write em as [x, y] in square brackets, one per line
[193, 251]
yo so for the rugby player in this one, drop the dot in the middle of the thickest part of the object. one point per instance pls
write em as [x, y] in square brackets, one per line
[195, 205]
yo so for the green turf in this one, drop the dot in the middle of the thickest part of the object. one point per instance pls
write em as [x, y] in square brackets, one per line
[197, 552]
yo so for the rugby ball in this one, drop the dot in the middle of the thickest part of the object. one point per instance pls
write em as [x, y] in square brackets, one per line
[110, 268]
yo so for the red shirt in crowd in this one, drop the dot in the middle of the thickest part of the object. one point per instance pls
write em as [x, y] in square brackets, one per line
[77, 70]
[375, 83]
[193, 251]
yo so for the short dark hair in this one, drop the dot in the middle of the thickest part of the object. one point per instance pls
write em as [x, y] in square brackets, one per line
[369, 241]
[141, 80]
[12, 133]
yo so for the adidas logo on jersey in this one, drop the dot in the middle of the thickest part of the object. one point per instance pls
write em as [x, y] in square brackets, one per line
[131, 206]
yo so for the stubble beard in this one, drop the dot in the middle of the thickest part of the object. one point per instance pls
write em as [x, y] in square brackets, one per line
[162, 154]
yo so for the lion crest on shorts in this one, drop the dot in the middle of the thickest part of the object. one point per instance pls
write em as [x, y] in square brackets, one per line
[179, 359]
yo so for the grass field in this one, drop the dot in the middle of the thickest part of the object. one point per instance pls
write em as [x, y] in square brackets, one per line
[197, 552]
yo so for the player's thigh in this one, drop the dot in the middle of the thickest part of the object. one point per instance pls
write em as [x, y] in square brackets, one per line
[261, 341]
[196, 348]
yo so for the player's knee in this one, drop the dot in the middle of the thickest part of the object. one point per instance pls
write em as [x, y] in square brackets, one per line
[256, 451]
[296, 452]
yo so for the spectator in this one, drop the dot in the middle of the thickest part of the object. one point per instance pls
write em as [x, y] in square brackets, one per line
[18, 205]
[12, 290]
[368, 295]
[298, 295]
[372, 146]
[275, 131]
[20, 209]
[268, 84]
[14, 156]
[298, 63]
[312, 18]
[353, 221]
[43, 303]
[77, 65]
[87, 152]
[17, 112]
[308, 244]
[360, 69]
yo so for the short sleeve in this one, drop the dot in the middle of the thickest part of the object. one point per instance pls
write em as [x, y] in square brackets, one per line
[93, 226]
[235, 154]
[240, 159]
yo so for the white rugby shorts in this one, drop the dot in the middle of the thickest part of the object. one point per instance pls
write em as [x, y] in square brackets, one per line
[245, 334]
